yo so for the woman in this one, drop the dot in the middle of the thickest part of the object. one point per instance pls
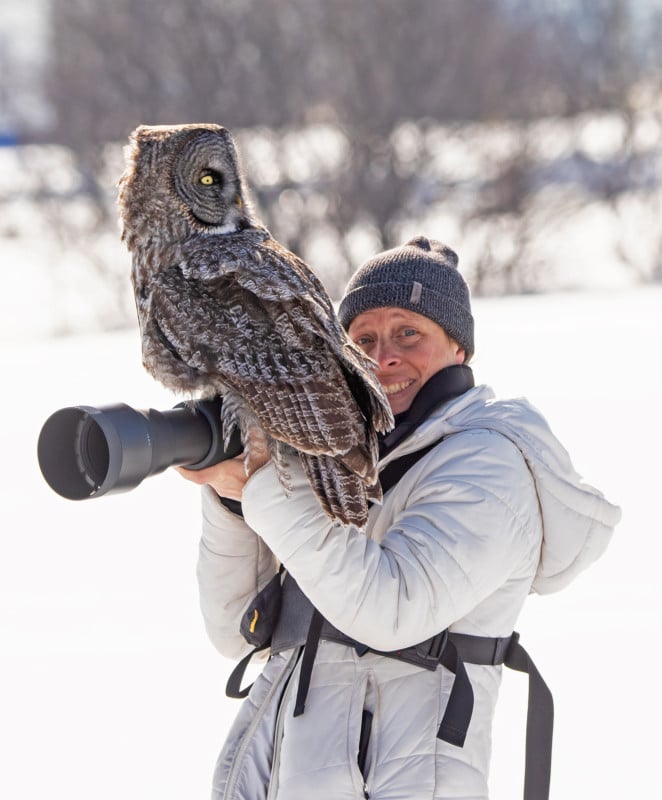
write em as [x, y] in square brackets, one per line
[485, 508]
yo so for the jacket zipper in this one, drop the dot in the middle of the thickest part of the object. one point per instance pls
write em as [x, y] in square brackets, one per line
[248, 735]
[280, 721]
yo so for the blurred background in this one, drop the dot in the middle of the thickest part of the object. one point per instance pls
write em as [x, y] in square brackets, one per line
[526, 135]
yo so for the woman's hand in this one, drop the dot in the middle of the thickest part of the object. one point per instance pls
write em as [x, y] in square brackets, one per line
[227, 478]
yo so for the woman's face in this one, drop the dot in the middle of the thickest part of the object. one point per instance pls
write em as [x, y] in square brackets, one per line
[408, 348]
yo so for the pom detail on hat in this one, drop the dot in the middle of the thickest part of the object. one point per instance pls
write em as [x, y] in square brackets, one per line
[420, 241]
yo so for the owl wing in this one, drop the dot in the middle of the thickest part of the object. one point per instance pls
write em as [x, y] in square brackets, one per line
[225, 336]
[253, 256]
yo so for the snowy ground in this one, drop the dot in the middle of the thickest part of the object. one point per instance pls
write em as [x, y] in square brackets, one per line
[108, 686]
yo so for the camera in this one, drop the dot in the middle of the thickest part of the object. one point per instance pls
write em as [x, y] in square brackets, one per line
[87, 452]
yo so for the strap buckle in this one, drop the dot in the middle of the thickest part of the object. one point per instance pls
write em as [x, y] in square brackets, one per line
[430, 651]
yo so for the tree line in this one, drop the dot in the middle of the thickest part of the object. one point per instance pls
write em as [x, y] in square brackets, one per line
[362, 120]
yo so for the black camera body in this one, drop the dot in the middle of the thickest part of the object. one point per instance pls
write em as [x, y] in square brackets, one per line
[87, 452]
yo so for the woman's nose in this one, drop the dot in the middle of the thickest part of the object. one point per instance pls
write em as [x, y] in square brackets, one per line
[385, 355]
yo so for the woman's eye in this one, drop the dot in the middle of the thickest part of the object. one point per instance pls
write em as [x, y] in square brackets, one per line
[362, 341]
[409, 332]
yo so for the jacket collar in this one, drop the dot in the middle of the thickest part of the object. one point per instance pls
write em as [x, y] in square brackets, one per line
[445, 385]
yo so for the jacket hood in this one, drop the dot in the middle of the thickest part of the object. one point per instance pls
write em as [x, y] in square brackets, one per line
[577, 520]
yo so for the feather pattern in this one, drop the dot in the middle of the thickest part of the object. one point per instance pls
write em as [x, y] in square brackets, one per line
[225, 309]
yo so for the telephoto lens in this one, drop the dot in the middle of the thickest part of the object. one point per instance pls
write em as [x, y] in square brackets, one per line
[87, 452]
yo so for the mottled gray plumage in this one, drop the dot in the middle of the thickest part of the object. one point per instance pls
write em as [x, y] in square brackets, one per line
[225, 309]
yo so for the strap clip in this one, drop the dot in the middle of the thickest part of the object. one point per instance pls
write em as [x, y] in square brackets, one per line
[430, 650]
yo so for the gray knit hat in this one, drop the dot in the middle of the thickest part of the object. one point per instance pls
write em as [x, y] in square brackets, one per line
[420, 275]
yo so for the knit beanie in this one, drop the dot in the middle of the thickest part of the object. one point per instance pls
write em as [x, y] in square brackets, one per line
[420, 275]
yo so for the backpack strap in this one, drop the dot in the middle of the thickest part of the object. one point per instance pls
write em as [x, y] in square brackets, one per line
[233, 686]
[453, 651]
[393, 471]
[539, 725]
[540, 711]
[307, 661]
[438, 650]
[460, 705]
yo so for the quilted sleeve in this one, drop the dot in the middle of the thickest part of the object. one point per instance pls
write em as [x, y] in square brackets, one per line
[458, 526]
[234, 564]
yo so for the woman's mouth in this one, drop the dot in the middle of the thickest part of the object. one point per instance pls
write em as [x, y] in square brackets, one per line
[394, 388]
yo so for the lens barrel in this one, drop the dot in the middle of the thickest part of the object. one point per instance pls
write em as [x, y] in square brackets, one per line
[86, 452]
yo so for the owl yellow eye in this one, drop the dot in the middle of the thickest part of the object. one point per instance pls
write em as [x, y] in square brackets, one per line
[207, 180]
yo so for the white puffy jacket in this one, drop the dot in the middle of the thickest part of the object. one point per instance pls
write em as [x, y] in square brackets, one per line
[494, 511]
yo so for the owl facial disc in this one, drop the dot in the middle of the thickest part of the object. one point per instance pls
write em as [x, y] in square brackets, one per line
[205, 179]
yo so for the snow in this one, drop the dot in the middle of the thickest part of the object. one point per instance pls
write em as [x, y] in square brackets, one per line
[108, 685]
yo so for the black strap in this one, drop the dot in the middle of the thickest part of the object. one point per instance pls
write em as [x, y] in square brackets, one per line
[539, 725]
[453, 651]
[540, 711]
[458, 648]
[307, 661]
[233, 686]
[460, 706]
[448, 383]
[393, 471]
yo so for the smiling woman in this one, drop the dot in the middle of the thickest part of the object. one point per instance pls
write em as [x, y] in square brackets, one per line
[408, 349]
[409, 310]
[481, 506]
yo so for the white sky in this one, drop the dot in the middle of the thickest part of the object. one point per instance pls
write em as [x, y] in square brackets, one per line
[108, 686]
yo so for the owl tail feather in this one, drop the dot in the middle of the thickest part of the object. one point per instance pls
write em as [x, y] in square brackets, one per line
[342, 494]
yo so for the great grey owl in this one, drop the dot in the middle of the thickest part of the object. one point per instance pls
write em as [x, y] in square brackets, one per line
[225, 309]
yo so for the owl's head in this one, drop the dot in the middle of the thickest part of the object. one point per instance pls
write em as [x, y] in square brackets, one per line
[180, 180]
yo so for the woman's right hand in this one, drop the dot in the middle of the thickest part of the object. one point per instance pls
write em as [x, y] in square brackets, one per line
[227, 478]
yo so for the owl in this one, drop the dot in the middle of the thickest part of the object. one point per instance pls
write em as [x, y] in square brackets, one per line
[224, 309]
